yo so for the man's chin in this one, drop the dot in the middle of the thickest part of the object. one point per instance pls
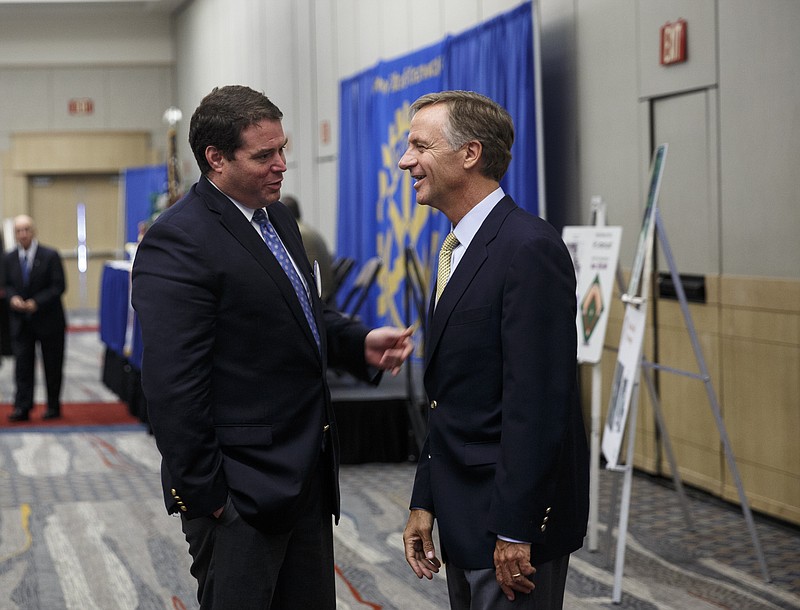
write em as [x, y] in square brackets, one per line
[271, 198]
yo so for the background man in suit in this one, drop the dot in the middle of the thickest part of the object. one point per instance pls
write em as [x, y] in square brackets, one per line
[316, 248]
[236, 348]
[504, 469]
[34, 283]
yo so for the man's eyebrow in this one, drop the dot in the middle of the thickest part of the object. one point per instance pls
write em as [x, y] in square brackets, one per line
[269, 151]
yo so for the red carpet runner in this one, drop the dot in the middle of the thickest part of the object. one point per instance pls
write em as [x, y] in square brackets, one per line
[72, 414]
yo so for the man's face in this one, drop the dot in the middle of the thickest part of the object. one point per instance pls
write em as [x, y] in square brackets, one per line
[255, 174]
[437, 170]
[23, 231]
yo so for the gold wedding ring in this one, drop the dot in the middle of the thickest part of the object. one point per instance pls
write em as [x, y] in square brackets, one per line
[515, 575]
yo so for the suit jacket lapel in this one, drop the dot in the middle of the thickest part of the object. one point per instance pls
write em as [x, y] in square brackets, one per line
[233, 220]
[465, 273]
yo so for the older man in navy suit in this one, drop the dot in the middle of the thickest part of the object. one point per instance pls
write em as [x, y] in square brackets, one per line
[34, 285]
[236, 347]
[504, 470]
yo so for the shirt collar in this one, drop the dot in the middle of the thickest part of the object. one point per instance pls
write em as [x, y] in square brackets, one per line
[466, 229]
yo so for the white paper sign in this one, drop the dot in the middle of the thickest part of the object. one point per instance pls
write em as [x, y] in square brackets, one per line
[625, 376]
[595, 253]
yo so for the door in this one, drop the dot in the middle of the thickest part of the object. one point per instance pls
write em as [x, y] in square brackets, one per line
[71, 211]
[689, 200]
[690, 210]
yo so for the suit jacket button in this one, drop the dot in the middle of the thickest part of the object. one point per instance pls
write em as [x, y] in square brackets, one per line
[544, 527]
[184, 509]
[326, 427]
[433, 404]
[173, 492]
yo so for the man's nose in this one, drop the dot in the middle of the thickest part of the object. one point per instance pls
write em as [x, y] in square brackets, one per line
[406, 161]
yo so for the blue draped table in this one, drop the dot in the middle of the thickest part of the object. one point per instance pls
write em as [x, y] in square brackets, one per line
[122, 337]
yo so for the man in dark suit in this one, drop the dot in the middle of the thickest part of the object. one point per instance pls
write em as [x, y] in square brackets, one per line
[316, 248]
[504, 470]
[34, 283]
[236, 347]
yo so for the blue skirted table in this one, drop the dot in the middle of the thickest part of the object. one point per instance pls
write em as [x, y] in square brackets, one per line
[122, 337]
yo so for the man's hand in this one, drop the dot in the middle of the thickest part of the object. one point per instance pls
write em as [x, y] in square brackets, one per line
[512, 564]
[418, 542]
[387, 347]
[17, 303]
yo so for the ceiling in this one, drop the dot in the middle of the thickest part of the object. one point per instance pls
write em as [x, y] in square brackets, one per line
[151, 6]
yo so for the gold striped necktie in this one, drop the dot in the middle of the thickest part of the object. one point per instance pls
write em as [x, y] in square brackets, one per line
[445, 254]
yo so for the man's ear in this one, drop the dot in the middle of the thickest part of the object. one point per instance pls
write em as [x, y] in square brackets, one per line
[215, 158]
[472, 154]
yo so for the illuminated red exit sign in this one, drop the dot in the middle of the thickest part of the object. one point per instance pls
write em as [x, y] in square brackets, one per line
[81, 105]
[673, 42]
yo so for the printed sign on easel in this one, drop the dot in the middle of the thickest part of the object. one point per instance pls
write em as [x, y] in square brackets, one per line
[595, 252]
[625, 377]
[632, 337]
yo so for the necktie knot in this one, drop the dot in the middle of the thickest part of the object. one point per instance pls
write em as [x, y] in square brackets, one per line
[260, 216]
[445, 256]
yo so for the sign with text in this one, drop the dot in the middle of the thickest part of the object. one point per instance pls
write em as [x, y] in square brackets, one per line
[595, 253]
[81, 106]
[673, 42]
[625, 378]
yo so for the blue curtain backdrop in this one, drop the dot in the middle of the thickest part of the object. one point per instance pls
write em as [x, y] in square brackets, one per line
[378, 215]
[144, 187]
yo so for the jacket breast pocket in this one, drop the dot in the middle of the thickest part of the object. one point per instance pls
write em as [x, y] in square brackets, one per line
[468, 330]
[470, 316]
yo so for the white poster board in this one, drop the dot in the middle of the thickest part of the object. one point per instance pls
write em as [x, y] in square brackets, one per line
[625, 377]
[640, 273]
[632, 336]
[595, 253]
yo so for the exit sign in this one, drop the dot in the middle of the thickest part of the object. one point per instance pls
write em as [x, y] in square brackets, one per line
[673, 42]
[81, 106]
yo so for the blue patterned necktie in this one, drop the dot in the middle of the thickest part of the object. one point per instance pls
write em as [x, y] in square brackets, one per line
[276, 247]
[23, 265]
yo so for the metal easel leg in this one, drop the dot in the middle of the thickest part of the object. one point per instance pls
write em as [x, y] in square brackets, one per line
[673, 465]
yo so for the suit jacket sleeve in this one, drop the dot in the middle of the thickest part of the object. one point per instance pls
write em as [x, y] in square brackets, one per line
[174, 296]
[539, 356]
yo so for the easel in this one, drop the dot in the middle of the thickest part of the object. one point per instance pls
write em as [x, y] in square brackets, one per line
[646, 367]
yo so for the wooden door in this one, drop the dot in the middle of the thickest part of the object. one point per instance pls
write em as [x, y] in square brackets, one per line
[57, 204]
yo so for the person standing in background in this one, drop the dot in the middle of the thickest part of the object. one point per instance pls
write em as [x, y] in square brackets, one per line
[237, 343]
[315, 246]
[5, 334]
[34, 285]
[505, 466]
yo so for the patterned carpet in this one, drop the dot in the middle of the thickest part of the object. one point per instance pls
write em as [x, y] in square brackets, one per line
[82, 527]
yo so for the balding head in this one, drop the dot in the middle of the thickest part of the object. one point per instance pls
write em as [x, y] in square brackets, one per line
[24, 230]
